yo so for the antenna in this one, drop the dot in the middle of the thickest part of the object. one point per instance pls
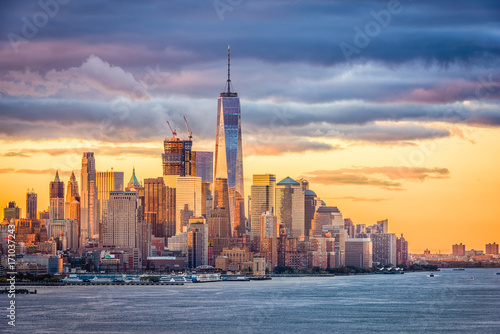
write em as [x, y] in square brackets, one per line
[228, 69]
[174, 133]
[190, 133]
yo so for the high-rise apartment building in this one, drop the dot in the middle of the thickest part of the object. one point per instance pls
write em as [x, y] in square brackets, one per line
[89, 204]
[31, 205]
[263, 192]
[358, 252]
[458, 250]
[384, 248]
[268, 239]
[228, 151]
[120, 228]
[492, 248]
[56, 197]
[290, 206]
[401, 251]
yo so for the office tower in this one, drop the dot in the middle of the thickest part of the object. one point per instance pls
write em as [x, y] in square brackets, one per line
[89, 219]
[204, 162]
[268, 237]
[199, 224]
[106, 182]
[290, 206]
[11, 211]
[401, 251]
[322, 216]
[339, 235]
[492, 248]
[155, 198]
[133, 182]
[56, 208]
[383, 226]
[72, 195]
[187, 198]
[350, 227]
[358, 252]
[228, 150]
[67, 229]
[219, 230]
[309, 209]
[384, 248]
[458, 250]
[206, 199]
[360, 229]
[263, 192]
[120, 228]
[31, 205]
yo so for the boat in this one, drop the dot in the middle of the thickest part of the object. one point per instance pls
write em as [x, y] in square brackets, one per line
[431, 275]
[498, 273]
[260, 278]
[175, 278]
[72, 278]
[235, 278]
[205, 278]
[458, 269]
[101, 280]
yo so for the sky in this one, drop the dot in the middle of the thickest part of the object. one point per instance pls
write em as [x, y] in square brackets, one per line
[390, 109]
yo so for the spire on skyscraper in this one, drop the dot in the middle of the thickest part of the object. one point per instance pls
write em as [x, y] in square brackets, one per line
[56, 179]
[228, 82]
[133, 180]
[72, 178]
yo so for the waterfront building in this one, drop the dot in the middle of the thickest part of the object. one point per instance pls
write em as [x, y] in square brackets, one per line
[290, 206]
[56, 197]
[339, 234]
[358, 252]
[199, 224]
[120, 228]
[263, 192]
[492, 248]
[322, 252]
[384, 248]
[350, 227]
[89, 204]
[401, 251]
[228, 152]
[458, 250]
[155, 198]
[66, 230]
[325, 215]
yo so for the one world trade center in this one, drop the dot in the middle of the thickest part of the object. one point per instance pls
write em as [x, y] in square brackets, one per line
[228, 173]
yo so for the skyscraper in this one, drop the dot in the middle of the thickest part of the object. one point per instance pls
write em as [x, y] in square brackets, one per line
[290, 206]
[188, 192]
[228, 149]
[31, 205]
[72, 195]
[12, 211]
[263, 199]
[177, 159]
[204, 162]
[89, 219]
[56, 208]
[401, 251]
[106, 182]
[120, 228]
[384, 248]
[155, 205]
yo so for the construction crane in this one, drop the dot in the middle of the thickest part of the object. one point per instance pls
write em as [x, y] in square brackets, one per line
[187, 127]
[174, 133]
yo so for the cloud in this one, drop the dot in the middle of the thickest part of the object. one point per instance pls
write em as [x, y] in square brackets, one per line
[6, 170]
[256, 147]
[100, 150]
[388, 177]
[93, 75]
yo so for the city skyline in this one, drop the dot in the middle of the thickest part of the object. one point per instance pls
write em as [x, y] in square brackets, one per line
[378, 132]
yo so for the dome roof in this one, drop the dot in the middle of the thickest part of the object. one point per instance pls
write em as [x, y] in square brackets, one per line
[288, 181]
[310, 193]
